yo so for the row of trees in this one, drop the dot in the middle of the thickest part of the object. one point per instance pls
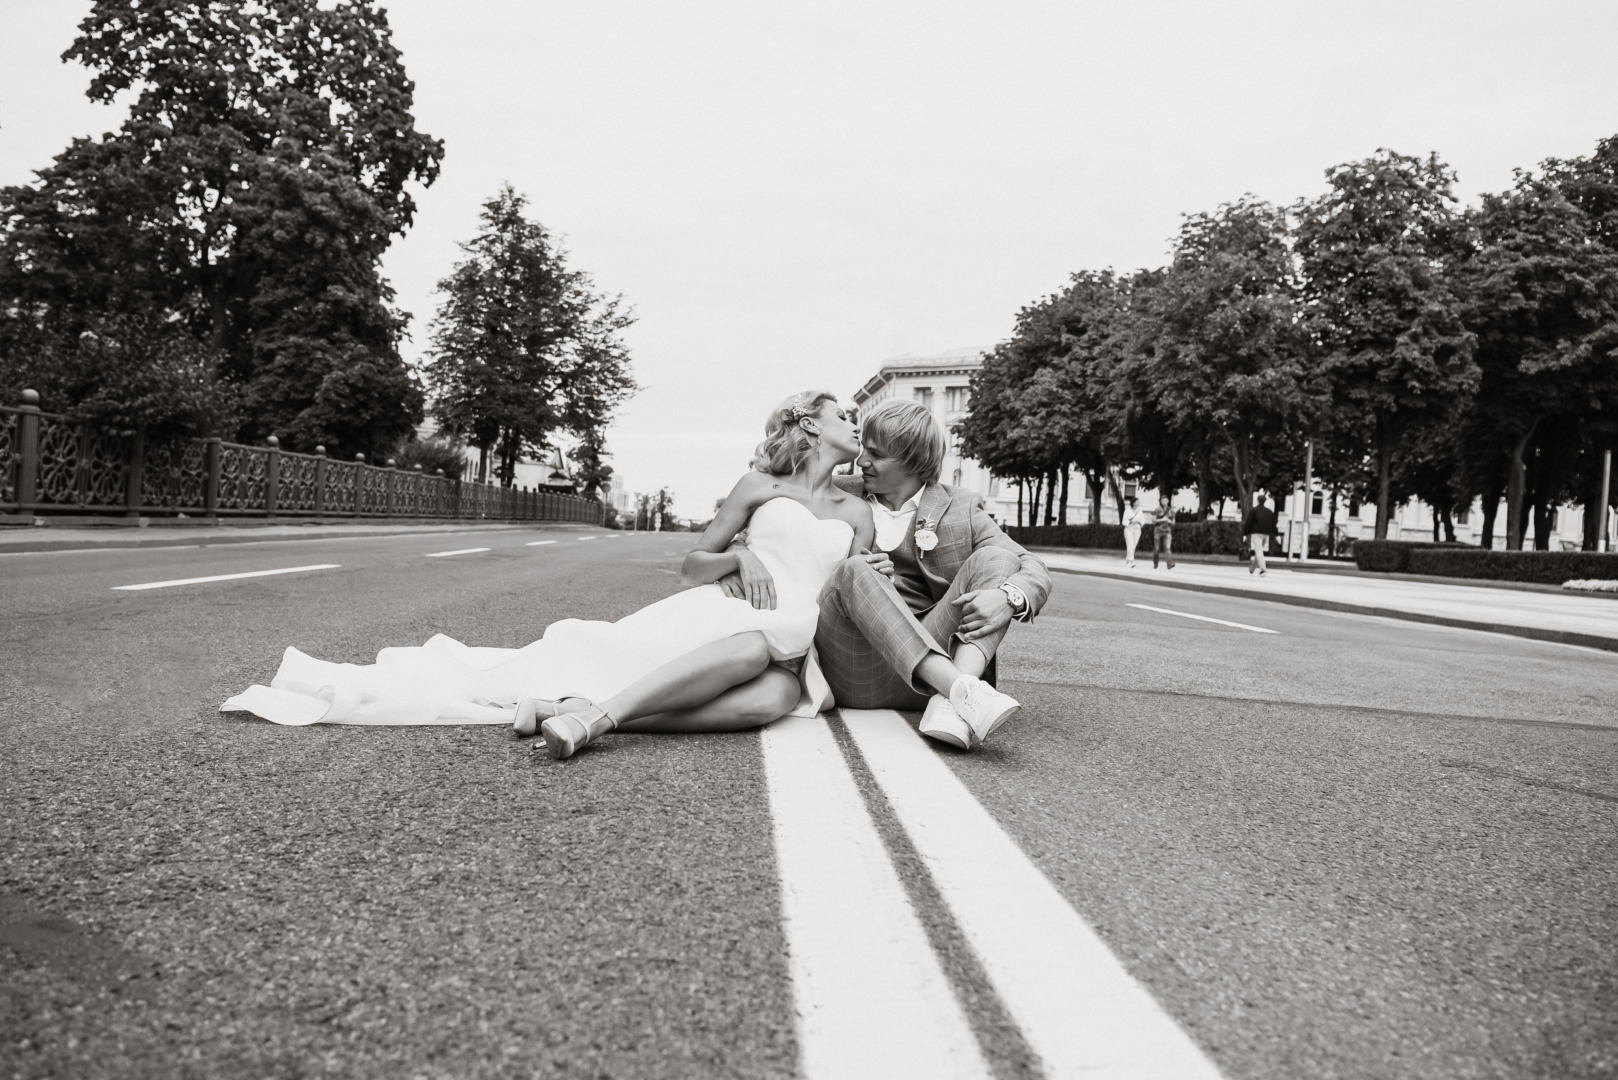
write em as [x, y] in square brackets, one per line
[214, 265]
[1420, 348]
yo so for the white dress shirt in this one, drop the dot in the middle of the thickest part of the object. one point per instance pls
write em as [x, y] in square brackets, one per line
[892, 525]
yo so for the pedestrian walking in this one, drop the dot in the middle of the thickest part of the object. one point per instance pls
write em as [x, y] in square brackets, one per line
[1134, 517]
[1163, 534]
[1257, 528]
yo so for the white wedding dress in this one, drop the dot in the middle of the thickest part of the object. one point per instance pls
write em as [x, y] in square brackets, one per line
[446, 682]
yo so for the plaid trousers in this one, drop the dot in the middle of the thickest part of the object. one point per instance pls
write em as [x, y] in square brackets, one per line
[870, 642]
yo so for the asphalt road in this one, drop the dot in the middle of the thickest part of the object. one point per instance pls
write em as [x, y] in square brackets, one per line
[1353, 847]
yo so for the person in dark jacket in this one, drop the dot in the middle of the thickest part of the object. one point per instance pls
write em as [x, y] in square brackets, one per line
[1257, 528]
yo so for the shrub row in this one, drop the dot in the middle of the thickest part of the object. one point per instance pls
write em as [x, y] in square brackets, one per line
[1190, 538]
[1465, 561]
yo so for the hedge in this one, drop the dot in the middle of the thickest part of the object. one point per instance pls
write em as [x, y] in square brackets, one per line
[1484, 564]
[1190, 537]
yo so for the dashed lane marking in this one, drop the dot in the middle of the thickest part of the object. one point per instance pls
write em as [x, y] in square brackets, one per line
[457, 551]
[540, 543]
[1079, 1010]
[871, 997]
[1204, 618]
[225, 577]
[586, 538]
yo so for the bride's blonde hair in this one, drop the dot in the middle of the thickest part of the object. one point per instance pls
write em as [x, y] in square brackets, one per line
[786, 445]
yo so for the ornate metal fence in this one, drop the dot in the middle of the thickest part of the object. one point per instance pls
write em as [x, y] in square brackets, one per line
[52, 465]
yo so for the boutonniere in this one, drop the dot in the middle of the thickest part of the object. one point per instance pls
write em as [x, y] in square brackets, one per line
[926, 539]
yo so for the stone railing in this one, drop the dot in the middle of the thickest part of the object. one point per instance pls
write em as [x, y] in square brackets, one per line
[52, 465]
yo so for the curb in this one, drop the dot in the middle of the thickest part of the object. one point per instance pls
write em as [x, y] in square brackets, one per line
[1563, 637]
[186, 538]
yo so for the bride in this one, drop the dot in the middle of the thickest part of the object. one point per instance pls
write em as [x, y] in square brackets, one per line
[700, 660]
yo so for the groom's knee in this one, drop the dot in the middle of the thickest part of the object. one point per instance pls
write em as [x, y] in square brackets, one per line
[851, 570]
[989, 566]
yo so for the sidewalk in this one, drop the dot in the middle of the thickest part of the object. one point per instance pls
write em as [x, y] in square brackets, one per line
[59, 538]
[1572, 618]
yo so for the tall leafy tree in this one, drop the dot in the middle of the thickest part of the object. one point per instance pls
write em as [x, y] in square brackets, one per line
[1543, 302]
[237, 218]
[523, 348]
[1375, 250]
[1229, 351]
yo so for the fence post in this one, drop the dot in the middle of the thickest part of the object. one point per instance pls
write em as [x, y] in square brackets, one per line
[28, 446]
[210, 478]
[320, 480]
[137, 474]
[392, 479]
[272, 476]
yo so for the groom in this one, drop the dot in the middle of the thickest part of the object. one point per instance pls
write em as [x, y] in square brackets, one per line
[915, 623]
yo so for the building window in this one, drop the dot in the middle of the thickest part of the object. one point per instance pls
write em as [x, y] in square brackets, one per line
[1463, 515]
[957, 480]
[994, 487]
[955, 399]
[1353, 507]
[1317, 505]
[924, 394]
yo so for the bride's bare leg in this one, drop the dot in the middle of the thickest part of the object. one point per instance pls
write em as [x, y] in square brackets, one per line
[753, 704]
[693, 679]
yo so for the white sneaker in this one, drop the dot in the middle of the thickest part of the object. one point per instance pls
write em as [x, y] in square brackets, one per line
[943, 723]
[982, 706]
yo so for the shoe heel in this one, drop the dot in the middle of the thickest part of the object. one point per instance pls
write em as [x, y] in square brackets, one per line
[560, 743]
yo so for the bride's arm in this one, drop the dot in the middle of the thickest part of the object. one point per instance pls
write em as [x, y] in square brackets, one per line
[710, 560]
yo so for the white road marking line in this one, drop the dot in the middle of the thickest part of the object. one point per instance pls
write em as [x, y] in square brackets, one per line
[586, 538]
[457, 551]
[1204, 618]
[1081, 1012]
[224, 577]
[540, 543]
[870, 996]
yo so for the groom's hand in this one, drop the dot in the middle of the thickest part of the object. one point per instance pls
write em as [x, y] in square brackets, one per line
[983, 612]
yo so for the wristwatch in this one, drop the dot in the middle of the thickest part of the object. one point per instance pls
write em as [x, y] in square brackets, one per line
[1019, 602]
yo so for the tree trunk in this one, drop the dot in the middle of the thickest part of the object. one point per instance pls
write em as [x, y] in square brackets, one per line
[1019, 502]
[1205, 480]
[1061, 513]
[1050, 497]
[1033, 504]
[1384, 455]
[1493, 489]
[1449, 526]
[1331, 526]
[1516, 483]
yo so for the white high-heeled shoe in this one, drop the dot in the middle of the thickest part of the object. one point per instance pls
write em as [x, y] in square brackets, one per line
[531, 711]
[569, 732]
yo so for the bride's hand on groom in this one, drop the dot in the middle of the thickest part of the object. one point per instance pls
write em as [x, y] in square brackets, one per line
[878, 561]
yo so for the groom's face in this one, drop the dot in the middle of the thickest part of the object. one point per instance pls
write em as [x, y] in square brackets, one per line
[882, 473]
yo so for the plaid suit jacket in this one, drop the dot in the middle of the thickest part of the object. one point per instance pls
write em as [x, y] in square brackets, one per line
[963, 527]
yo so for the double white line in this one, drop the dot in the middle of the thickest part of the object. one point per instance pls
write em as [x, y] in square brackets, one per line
[872, 998]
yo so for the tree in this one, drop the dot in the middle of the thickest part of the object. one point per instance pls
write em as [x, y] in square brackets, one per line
[522, 348]
[230, 233]
[1229, 352]
[1375, 250]
[1543, 303]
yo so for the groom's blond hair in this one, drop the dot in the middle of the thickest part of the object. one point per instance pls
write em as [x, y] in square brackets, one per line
[908, 432]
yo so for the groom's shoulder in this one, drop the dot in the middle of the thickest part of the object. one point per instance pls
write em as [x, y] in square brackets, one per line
[962, 498]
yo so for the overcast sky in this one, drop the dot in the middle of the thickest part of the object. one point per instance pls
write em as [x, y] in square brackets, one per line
[789, 193]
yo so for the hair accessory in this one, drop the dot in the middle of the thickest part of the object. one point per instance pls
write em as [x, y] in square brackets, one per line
[801, 411]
